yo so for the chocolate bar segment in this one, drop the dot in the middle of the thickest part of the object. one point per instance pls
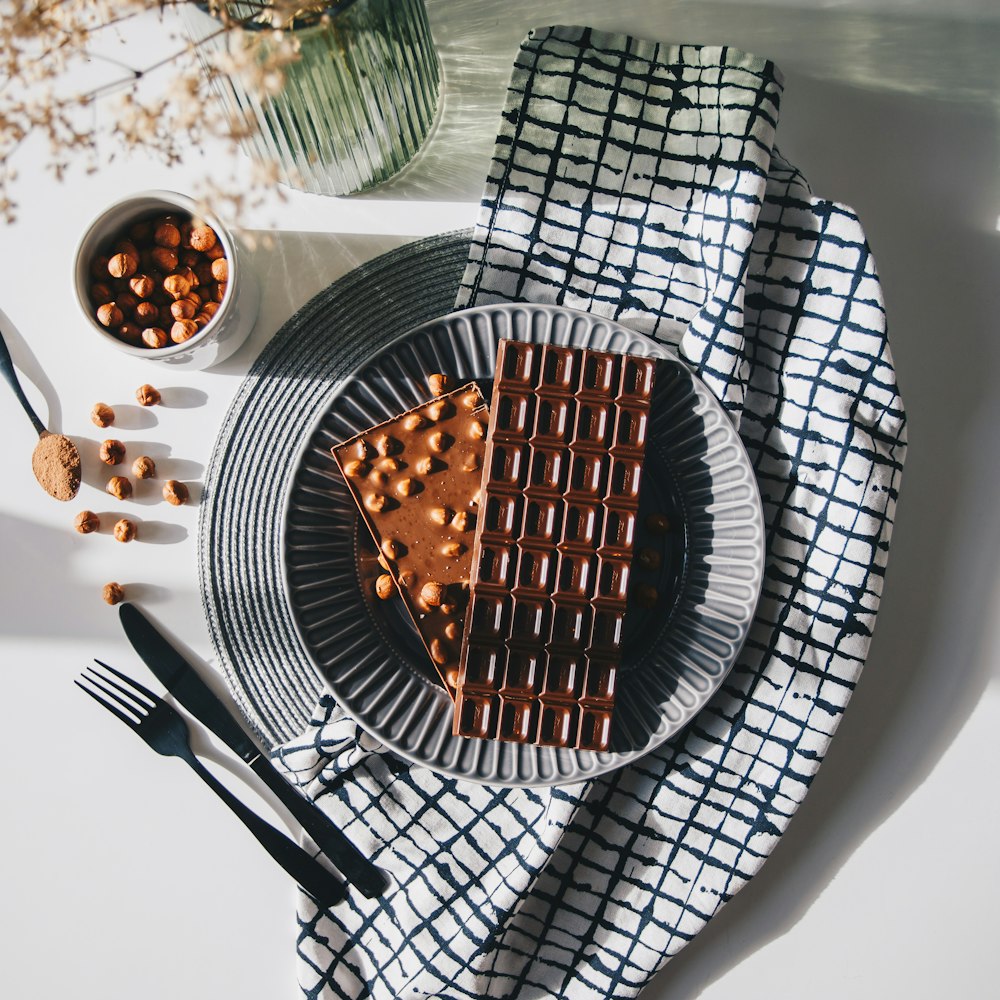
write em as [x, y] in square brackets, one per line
[416, 481]
[553, 549]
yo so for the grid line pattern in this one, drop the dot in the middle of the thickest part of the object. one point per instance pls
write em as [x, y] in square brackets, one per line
[640, 181]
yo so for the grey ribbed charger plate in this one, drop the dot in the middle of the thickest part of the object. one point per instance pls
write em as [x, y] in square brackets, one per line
[281, 644]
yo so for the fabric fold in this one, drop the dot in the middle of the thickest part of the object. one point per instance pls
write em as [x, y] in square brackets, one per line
[640, 181]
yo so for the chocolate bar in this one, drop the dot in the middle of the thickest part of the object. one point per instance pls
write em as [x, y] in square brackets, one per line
[552, 554]
[415, 479]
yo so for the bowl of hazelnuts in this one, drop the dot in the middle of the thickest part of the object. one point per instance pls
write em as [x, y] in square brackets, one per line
[159, 280]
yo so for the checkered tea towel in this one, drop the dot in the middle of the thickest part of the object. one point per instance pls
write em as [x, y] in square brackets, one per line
[640, 181]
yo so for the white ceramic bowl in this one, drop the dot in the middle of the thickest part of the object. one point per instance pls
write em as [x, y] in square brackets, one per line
[237, 313]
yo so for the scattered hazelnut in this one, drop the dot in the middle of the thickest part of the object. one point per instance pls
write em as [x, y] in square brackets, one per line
[452, 631]
[384, 587]
[413, 422]
[462, 521]
[111, 451]
[110, 315]
[392, 549]
[143, 467]
[657, 524]
[119, 487]
[142, 285]
[122, 265]
[147, 395]
[203, 238]
[645, 595]
[86, 522]
[125, 530]
[407, 487]
[102, 415]
[439, 442]
[375, 502]
[175, 492]
[167, 234]
[648, 559]
[439, 652]
[452, 549]
[113, 593]
[432, 593]
[355, 468]
[438, 384]
[183, 329]
[154, 337]
[219, 269]
[440, 515]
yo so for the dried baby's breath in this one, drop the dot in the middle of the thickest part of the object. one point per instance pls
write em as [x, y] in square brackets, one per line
[167, 106]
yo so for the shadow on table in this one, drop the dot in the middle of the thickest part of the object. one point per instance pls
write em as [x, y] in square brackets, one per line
[924, 178]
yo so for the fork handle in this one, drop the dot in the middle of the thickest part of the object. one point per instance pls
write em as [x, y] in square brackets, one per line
[326, 887]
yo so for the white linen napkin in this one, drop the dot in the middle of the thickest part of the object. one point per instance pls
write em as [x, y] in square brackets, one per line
[640, 181]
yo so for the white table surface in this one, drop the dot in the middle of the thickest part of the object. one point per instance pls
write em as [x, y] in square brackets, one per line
[123, 877]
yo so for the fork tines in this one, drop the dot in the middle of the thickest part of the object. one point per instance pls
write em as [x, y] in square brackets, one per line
[138, 702]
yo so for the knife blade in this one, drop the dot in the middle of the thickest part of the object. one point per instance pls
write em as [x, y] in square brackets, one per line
[183, 682]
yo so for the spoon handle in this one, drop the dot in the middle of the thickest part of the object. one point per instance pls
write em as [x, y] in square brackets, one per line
[7, 368]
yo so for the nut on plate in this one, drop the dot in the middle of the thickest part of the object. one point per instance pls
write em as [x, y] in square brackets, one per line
[657, 524]
[102, 415]
[438, 383]
[125, 530]
[113, 593]
[86, 521]
[143, 467]
[119, 487]
[111, 451]
[175, 492]
[147, 395]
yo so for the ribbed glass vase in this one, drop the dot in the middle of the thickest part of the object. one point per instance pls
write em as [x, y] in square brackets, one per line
[357, 104]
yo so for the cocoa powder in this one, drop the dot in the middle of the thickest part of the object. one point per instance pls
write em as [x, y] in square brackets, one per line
[56, 465]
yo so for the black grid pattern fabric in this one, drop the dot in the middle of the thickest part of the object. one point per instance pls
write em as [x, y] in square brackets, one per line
[640, 181]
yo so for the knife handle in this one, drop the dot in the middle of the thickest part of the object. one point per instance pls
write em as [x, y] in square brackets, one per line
[370, 880]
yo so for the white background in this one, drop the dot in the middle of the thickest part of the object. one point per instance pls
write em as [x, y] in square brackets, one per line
[121, 877]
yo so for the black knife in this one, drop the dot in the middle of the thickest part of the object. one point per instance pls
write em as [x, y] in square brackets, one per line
[183, 682]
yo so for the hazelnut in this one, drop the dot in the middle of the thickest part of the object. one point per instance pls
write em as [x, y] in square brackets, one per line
[164, 258]
[127, 302]
[119, 487]
[408, 578]
[202, 320]
[438, 410]
[648, 559]
[477, 430]
[432, 593]
[413, 422]
[100, 293]
[142, 285]
[203, 270]
[438, 384]
[176, 286]
[451, 677]
[113, 593]
[355, 468]
[378, 477]
[448, 609]
[86, 522]
[440, 515]
[203, 238]
[143, 467]
[123, 265]
[210, 309]
[220, 269]
[386, 445]
[99, 267]
[110, 315]
[183, 329]
[216, 252]
[362, 449]
[125, 530]
[141, 231]
[657, 524]
[167, 234]
[439, 652]
[375, 502]
[112, 451]
[645, 595]
[452, 549]
[407, 487]
[462, 521]
[175, 492]
[392, 549]
[424, 465]
[102, 415]
[130, 333]
[471, 400]
[154, 337]
[439, 442]
[451, 630]
[147, 313]
[383, 562]
[147, 395]
[475, 498]
[219, 291]
[184, 308]
[190, 258]
[471, 463]
[384, 587]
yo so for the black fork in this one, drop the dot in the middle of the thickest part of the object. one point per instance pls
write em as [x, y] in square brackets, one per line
[163, 728]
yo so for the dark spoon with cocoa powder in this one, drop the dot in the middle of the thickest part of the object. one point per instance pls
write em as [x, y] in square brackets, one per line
[55, 460]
